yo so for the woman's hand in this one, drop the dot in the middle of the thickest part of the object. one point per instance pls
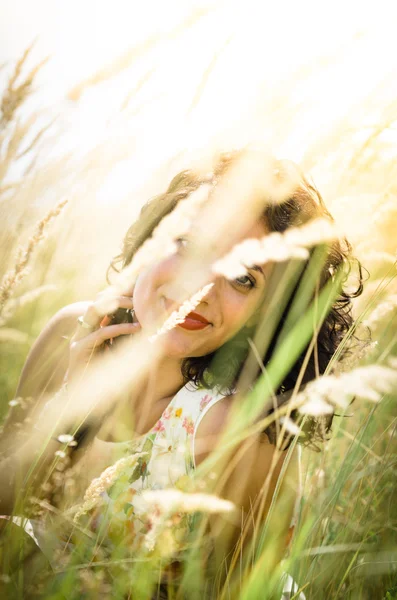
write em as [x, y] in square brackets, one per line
[94, 330]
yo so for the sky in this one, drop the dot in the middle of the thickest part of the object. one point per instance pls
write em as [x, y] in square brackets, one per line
[196, 73]
[135, 88]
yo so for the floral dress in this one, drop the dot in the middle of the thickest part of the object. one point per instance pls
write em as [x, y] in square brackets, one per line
[163, 459]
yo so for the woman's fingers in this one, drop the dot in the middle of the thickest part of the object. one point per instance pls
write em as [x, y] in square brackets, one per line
[98, 310]
[93, 329]
[81, 350]
[97, 337]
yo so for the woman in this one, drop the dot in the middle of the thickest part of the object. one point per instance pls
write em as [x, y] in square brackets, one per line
[176, 412]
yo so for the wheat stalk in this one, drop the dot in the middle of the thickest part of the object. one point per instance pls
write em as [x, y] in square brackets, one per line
[14, 276]
[381, 313]
[178, 316]
[15, 94]
[30, 296]
[99, 485]
[369, 382]
[275, 247]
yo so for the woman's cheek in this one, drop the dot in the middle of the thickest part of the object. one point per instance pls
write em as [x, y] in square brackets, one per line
[237, 315]
[139, 300]
[146, 296]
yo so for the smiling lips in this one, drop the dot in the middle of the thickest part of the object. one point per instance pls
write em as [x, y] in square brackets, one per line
[194, 321]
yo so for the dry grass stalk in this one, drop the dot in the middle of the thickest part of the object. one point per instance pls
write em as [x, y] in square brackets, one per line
[125, 60]
[161, 243]
[13, 277]
[178, 316]
[276, 247]
[380, 257]
[11, 140]
[30, 296]
[382, 312]
[14, 335]
[173, 500]
[14, 139]
[370, 382]
[99, 485]
[15, 94]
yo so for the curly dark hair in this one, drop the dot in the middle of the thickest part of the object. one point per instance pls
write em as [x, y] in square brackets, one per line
[224, 366]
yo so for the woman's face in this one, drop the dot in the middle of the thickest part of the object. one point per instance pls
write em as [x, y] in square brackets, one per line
[226, 308]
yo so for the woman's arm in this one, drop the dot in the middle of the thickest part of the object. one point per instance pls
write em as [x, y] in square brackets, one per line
[268, 500]
[47, 361]
[41, 378]
[249, 476]
[62, 348]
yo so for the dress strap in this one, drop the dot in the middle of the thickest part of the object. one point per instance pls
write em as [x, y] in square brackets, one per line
[208, 400]
[181, 418]
[194, 401]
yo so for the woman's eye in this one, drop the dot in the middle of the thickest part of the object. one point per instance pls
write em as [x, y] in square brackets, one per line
[182, 242]
[245, 281]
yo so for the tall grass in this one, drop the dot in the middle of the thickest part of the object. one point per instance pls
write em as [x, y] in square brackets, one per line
[345, 542]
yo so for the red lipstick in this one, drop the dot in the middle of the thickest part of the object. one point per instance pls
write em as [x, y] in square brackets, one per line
[194, 321]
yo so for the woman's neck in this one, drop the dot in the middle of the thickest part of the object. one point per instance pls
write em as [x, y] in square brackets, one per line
[163, 381]
[138, 410]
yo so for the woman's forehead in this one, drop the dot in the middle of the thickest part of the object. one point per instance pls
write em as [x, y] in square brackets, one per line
[256, 230]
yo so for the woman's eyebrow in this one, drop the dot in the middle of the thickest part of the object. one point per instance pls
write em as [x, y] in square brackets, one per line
[257, 268]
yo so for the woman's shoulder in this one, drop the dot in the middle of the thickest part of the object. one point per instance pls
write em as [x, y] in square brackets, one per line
[258, 459]
[46, 362]
[61, 326]
[65, 318]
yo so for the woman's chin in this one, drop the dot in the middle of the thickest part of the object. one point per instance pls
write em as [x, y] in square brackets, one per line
[180, 344]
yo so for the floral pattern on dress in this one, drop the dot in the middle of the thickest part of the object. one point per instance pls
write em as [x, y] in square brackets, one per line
[188, 425]
[166, 462]
[204, 401]
[159, 426]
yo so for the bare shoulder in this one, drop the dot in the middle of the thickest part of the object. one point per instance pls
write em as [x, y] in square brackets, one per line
[65, 319]
[257, 464]
[46, 363]
[251, 475]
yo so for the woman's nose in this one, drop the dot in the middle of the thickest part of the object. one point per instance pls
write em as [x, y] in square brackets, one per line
[214, 289]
